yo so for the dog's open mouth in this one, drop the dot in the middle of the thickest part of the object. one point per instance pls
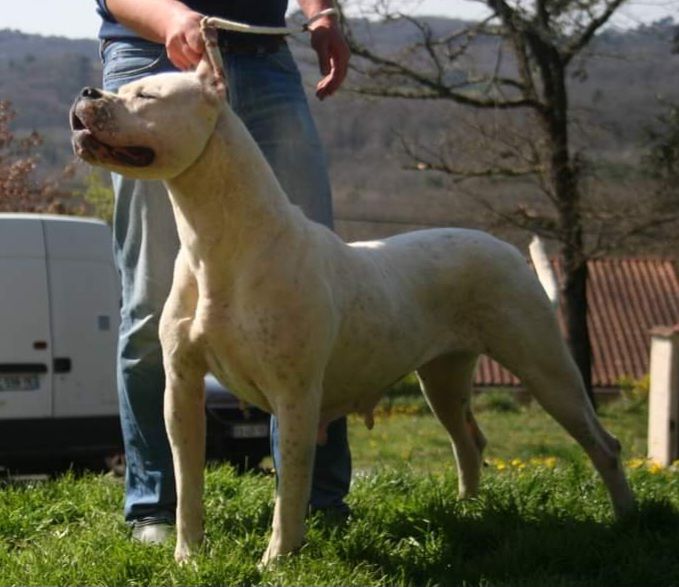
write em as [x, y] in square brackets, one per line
[88, 147]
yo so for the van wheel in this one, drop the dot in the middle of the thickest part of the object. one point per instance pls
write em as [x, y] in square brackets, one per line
[115, 464]
[249, 462]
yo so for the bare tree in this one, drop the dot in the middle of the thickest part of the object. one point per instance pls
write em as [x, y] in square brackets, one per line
[662, 162]
[20, 189]
[535, 44]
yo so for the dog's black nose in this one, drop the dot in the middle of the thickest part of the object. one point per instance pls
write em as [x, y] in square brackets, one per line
[90, 93]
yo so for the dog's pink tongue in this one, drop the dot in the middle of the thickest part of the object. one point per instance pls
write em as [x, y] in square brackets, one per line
[134, 156]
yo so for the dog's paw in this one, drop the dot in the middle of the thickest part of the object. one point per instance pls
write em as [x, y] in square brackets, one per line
[184, 553]
[268, 557]
[278, 550]
[274, 553]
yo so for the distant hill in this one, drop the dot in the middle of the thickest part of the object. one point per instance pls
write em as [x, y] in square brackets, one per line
[615, 94]
[41, 76]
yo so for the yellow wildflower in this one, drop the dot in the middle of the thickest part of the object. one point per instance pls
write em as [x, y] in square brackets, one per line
[499, 464]
[636, 463]
[517, 464]
[654, 468]
[549, 462]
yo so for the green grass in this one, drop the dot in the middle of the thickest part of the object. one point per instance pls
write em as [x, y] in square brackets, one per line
[537, 521]
[405, 432]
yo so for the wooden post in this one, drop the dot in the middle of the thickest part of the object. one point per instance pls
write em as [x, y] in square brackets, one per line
[663, 409]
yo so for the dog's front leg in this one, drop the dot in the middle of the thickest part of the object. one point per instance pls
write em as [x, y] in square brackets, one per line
[185, 423]
[298, 419]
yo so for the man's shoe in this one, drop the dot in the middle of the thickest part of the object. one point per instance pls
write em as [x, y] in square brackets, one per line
[152, 532]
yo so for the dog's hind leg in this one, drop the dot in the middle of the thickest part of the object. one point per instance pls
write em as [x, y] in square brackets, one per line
[446, 383]
[531, 346]
[559, 389]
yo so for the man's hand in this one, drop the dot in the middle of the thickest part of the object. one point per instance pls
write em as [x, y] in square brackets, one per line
[169, 22]
[183, 39]
[333, 55]
[175, 25]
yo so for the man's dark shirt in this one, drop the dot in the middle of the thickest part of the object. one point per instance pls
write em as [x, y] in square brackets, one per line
[256, 12]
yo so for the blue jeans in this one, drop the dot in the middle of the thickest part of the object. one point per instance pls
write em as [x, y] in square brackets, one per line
[267, 93]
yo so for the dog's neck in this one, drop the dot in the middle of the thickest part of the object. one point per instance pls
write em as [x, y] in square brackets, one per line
[240, 206]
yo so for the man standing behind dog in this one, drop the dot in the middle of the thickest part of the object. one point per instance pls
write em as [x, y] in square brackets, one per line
[144, 37]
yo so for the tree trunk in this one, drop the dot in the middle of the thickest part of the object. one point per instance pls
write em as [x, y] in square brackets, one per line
[562, 177]
[574, 289]
[575, 313]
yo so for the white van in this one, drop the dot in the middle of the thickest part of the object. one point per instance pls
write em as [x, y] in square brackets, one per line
[59, 316]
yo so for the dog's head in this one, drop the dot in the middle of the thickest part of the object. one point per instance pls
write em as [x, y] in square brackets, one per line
[154, 128]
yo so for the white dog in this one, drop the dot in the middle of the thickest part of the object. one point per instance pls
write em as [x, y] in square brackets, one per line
[305, 326]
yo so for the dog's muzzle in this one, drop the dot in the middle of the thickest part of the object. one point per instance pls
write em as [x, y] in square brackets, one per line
[87, 114]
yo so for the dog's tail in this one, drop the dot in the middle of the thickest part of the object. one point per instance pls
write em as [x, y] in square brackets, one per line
[543, 269]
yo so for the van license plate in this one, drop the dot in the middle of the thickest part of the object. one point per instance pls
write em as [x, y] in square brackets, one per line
[27, 382]
[249, 430]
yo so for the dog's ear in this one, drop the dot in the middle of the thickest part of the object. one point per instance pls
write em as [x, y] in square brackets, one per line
[210, 70]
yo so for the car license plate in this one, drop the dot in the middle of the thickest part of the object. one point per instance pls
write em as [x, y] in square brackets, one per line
[19, 382]
[249, 430]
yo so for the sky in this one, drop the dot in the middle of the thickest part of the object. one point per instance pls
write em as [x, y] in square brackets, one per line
[78, 19]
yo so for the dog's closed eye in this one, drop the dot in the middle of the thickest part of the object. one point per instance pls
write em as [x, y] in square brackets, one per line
[146, 96]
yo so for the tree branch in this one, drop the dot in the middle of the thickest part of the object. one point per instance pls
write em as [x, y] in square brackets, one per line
[527, 220]
[433, 86]
[427, 160]
[577, 44]
[459, 98]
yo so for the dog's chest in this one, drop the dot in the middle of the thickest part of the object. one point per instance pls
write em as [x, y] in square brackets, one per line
[237, 376]
[229, 354]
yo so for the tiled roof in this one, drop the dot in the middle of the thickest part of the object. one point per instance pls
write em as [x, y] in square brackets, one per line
[627, 297]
